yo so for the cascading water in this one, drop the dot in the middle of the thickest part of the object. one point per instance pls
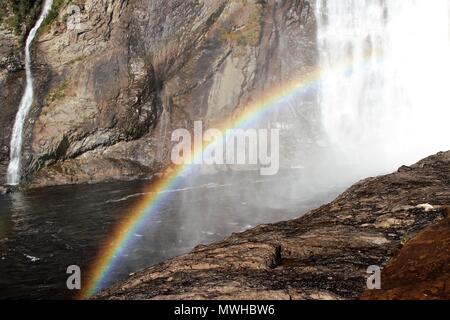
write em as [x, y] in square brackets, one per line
[384, 99]
[13, 176]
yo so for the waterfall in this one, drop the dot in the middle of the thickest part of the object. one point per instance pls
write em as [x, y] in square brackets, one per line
[13, 176]
[384, 98]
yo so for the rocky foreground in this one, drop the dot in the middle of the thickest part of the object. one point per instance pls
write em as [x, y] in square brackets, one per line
[324, 254]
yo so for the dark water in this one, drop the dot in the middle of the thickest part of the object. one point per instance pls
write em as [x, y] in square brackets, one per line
[44, 231]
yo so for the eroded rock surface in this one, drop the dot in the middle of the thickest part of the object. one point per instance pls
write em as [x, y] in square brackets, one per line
[322, 255]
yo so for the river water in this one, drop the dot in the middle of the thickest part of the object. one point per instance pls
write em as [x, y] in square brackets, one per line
[44, 231]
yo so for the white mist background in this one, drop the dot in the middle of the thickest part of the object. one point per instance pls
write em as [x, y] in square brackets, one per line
[393, 106]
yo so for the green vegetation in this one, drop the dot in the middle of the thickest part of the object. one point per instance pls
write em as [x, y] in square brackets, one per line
[404, 240]
[249, 34]
[18, 14]
[22, 14]
[54, 12]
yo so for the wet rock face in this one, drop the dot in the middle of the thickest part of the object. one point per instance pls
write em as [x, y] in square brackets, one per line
[12, 82]
[110, 91]
[323, 255]
[14, 23]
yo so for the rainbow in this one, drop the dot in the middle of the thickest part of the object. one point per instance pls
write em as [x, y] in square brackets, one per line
[122, 237]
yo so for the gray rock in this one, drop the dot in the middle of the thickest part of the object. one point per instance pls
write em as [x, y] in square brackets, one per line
[113, 89]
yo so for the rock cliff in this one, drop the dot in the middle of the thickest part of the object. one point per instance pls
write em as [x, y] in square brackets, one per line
[12, 80]
[326, 253]
[110, 89]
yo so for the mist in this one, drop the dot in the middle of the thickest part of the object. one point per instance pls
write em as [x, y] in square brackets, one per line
[382, 102]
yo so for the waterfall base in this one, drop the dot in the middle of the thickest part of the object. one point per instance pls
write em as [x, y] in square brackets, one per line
[323, 255]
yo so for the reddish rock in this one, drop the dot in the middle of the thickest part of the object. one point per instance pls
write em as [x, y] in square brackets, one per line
[421, 270]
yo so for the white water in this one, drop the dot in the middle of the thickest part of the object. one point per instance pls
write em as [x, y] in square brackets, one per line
[14, 167]
[393, 106]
